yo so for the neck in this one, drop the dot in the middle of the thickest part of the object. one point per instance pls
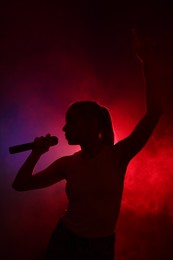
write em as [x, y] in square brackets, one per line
[91, 149]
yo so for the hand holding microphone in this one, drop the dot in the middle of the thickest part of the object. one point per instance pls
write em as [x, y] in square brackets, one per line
[40, 145]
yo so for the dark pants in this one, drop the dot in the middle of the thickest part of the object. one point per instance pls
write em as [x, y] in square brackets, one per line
[64, 245]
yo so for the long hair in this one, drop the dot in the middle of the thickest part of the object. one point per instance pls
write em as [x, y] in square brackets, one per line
[91, 109]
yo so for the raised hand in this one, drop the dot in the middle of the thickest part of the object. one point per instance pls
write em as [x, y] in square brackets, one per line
[144, 46]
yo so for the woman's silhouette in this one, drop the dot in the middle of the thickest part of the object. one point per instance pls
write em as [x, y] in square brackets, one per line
[94, 175]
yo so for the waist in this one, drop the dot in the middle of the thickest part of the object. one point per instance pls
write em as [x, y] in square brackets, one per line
[64, 228]
[89, 228]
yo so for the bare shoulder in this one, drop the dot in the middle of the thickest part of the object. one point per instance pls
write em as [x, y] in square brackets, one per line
[121, 153]
[62, 163]
[64, 159]
[118, 148]
[115, 151]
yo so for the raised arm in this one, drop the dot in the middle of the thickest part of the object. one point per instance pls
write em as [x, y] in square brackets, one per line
[26, 180]
[131, 145]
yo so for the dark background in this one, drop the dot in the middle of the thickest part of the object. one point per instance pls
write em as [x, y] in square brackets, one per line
[55, 54]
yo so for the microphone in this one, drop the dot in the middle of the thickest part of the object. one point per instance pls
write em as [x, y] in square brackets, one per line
[29, 146]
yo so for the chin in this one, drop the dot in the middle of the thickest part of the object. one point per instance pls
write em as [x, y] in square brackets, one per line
[72, 142]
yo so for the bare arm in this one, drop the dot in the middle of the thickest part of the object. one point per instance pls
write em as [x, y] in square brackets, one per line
[26, 180]
[131, 145]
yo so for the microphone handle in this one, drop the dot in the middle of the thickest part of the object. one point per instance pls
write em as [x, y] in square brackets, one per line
[20, 148]
[28, 146]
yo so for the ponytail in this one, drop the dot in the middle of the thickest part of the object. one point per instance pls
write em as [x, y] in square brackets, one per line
[107, 133]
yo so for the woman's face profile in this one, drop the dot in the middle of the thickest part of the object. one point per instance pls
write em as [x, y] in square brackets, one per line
[76, 127]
